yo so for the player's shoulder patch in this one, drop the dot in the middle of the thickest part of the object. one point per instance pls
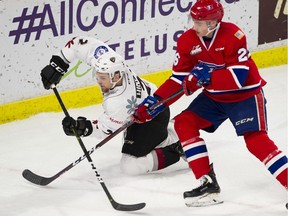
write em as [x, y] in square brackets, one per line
[239, 34]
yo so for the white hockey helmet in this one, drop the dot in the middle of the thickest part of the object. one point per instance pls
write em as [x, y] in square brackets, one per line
[110, 63]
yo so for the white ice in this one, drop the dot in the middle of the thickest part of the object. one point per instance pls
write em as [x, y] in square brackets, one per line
[39, 144]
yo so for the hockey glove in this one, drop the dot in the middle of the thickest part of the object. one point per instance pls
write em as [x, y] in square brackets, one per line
[190, 85]
[81, 126]
[52, 73]
[144, 114]
[202, 74]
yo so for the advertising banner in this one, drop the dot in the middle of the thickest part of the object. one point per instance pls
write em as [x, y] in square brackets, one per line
[144, 32]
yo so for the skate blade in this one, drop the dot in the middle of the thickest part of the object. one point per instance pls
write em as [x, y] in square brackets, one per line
[204, 200]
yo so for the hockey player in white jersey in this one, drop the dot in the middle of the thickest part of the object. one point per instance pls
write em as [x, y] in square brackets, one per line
[147, 147]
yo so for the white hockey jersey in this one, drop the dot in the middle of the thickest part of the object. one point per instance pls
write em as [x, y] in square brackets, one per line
[118, 104]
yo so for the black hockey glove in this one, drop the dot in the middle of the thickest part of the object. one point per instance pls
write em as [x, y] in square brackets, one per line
[82, 126]
[52, 73]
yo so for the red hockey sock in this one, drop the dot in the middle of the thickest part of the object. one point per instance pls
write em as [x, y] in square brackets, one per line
[197, 156]
[259, 144]
[187, 125]
[276, 163]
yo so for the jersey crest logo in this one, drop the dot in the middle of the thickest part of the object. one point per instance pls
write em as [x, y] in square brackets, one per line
[99, 51]
[219, 49]
[195, 50]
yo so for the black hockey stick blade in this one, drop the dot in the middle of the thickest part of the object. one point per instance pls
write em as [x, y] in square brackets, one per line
[127, 207]
[40, 180]
[43, 181]
[36, 179]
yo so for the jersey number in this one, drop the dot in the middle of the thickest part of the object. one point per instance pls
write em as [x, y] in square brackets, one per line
[242, 55]
[176, 60]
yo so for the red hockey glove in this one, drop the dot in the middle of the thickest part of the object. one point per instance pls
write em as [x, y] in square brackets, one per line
[190, 85]
[144, 114]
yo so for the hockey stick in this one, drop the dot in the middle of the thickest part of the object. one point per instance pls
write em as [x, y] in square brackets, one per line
[43, 181]
[116, 205]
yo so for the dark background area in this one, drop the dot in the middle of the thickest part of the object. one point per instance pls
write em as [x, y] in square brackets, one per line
[271, 28]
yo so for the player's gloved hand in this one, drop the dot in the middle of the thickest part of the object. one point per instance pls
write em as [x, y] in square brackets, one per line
[81, 126]
[52, 73]
[202, 73]
[143, 113]
[190, 85]
[199, 75]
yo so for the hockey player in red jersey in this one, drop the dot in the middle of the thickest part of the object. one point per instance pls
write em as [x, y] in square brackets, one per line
[213, 55]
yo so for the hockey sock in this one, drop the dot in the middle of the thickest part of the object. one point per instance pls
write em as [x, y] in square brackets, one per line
[276, 163]
[187, 125]
[197, 156]
[164, 157]
[260, 145]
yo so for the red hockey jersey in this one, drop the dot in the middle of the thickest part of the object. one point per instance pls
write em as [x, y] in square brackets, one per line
[235, 76]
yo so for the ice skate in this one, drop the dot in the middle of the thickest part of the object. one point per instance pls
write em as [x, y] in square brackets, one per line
[206, 194]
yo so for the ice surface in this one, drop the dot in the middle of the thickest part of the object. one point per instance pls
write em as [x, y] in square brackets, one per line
[39, 144]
